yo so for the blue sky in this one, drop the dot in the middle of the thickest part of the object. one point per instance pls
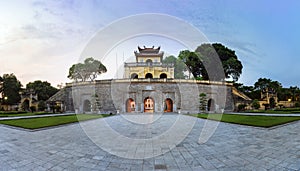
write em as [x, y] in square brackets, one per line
[42, 39]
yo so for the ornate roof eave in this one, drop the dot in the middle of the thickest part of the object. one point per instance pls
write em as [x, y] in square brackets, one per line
[152, 49]
[137, 55]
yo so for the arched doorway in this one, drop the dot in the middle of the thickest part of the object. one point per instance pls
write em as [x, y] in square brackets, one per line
[149, 62]
[149, 105]
[163, 75]
[168, 105]
[211, 105]
[134, 76]
[86, 106]
[272, 102]
[130, 105]
[25, 105]
[148, 75]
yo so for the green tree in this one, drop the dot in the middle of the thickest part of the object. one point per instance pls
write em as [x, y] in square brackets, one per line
[193, 63]
[179, 66]
[1, 87]
[10, 89]
[255, 104]
[264, 84]
[41, 105]
[250, 91]
[284, 94]
[43, 89]
[203, 102]
[87, 70]
[294, 92]
[205, 59]
[211, 65]
[231, 65]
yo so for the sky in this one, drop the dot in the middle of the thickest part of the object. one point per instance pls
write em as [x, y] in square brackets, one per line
[40, 40]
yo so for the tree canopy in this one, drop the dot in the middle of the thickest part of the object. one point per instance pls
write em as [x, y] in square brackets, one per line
[179, 66]
[192, 62]
[43, 89]
[1, 84]
[86, 71]
[205, 59]
[232, 66]
[250, 91]
[264, 84]
[10, 89]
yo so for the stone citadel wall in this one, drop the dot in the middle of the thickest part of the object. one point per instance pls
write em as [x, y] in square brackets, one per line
[113, 95]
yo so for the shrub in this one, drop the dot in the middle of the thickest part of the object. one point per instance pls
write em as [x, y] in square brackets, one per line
[297, 104]
[288, 109]
[12, 112]
[255, 104]
[41, 105]
[203, 102]
[241, 107]
[32, 108]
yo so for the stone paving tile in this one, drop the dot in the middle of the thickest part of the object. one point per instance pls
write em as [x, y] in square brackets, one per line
[231, 147]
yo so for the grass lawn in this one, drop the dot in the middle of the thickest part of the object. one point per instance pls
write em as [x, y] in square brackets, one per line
[253, 120]
[276, 111]
[268, 111]
[23, 114]
[42, 122]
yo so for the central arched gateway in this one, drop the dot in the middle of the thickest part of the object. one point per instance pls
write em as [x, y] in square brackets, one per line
[25, 105]
[149, 105]
[130, 105]
[86, 106]
[148, 75]
[168, 105]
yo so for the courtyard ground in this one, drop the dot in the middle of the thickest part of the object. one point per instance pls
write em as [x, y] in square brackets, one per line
[91, 145]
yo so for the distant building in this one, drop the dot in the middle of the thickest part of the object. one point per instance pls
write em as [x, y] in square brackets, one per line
[268, 95]
[29, 100]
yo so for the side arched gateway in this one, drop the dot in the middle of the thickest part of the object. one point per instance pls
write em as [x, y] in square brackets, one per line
[86, 106]
[134, 76]
[163, 75]
[130, 105]
[211, 105]
[168, 105]
[148, 105]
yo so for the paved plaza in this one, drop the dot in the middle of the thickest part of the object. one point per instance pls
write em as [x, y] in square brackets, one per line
[151, 142]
